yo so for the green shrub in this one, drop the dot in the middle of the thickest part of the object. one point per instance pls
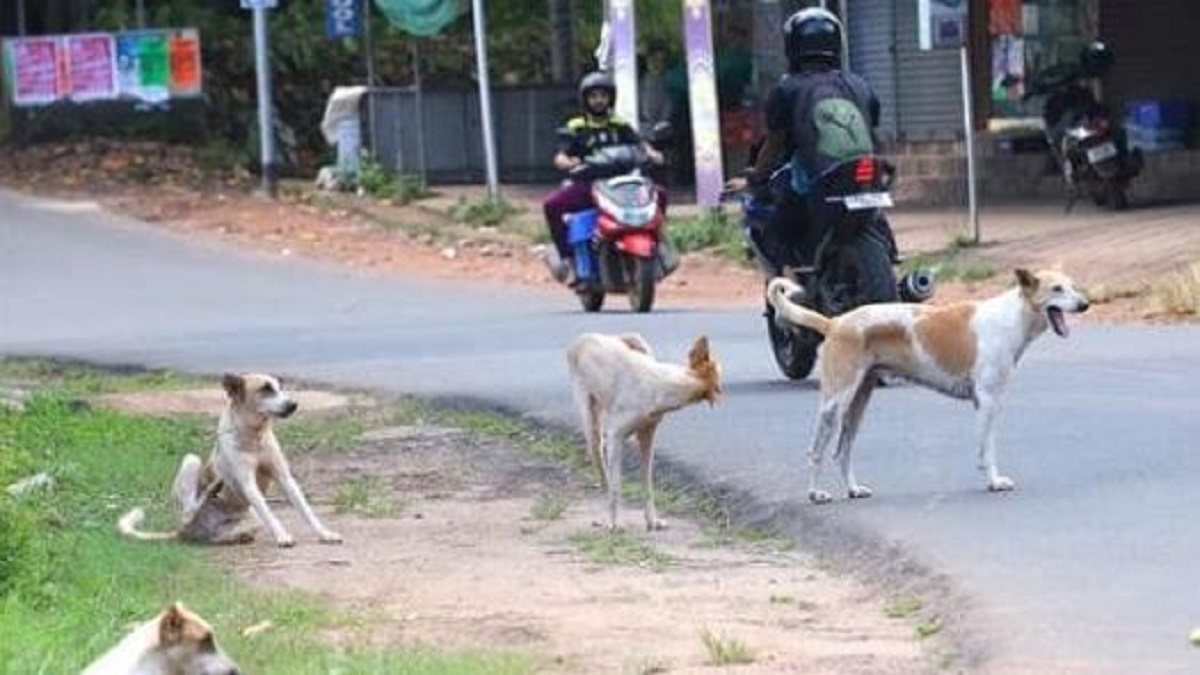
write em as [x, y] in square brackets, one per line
[712, 230]
[488, 211]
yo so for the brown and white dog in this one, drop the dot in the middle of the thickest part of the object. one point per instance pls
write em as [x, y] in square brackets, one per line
[214, 499]
[966, 350]
[176, 642]
[622, 390]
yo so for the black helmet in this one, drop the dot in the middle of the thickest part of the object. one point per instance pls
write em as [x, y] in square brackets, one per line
[1096, 59]
[597, 80]
[812, 36]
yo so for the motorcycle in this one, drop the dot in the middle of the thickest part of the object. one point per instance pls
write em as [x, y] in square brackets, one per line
[1087, 145]
[619, 245]
[853, 260]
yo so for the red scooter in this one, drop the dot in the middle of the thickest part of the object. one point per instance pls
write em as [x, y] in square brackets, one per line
[619, 246]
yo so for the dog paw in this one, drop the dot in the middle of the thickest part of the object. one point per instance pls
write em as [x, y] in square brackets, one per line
[1001, 484]
[859, 492]
[328, 537]
[819, 497]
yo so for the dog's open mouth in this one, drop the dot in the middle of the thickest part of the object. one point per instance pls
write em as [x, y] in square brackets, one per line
[1057, 321]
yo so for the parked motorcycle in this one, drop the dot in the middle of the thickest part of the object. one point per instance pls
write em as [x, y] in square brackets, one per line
[619, 245]
[853, 261]
[1088, 146]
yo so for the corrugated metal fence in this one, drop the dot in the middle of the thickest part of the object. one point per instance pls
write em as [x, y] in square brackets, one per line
[438, 132]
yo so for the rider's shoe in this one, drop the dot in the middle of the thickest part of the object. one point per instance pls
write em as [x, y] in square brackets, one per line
[560, 268]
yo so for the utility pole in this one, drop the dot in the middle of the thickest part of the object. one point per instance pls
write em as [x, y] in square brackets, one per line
[266, 130]
[485, 100]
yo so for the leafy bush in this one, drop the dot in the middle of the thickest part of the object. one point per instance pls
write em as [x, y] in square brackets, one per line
[489, 212]
[712, 230]
[378, 181]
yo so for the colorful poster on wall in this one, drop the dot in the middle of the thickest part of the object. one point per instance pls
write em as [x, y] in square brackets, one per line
[142, 66]
[91, 67]
[184, 49]
[941, 24]
[35, 70]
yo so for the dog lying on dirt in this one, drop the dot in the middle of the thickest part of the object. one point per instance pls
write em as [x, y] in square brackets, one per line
[176, 642]
[965, 350]
[214, 499]
[622, 390]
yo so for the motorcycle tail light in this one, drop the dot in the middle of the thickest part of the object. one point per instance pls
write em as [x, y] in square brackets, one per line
[864, 171]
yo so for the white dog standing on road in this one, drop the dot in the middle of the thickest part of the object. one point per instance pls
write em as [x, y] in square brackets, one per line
[214, 499]
[622, 390]
[966, 350]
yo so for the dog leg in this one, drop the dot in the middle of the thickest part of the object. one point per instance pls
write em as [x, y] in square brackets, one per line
[828, 421]
[989, 407]
[186, 488]
[591, 424]
[611, 451]
[645, 438]
[249, 488]
[296, 496]
[850, 424]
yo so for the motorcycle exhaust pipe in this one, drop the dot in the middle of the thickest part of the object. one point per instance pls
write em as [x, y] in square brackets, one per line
[916, 286]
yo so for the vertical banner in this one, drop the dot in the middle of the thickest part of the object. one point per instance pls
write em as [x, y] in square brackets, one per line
[623, 32]
[92, 72]
[37, 68]
[702, 95]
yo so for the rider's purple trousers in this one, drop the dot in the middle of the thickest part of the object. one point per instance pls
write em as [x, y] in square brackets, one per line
[574, 196]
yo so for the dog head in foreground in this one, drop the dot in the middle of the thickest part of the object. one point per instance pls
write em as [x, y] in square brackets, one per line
[706, 369]
[257, 395]
[1050, 294]
[176, 642]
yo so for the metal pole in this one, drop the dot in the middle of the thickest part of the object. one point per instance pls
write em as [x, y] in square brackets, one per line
[969, 141]
[21, 17]
[266, 130]
[370, 57]
[419, 101]
[485, 100]
[141, 14]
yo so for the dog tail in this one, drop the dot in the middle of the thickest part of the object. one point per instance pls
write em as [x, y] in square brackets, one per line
[129, 522]
[777, 294]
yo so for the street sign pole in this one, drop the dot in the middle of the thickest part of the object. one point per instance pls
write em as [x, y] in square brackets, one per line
[485, 101]
[266, 131]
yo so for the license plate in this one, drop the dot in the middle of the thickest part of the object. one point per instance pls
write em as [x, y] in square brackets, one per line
[867, 200]
[1101, 152]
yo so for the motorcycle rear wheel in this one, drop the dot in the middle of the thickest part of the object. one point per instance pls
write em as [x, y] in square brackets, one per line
[853, 274]
[642, 277]
[795, 350]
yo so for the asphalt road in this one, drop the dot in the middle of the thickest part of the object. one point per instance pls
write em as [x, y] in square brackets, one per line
[1086, 568]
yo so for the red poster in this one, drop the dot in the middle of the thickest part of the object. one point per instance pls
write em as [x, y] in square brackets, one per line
[35, 68]
[92, 67]
[1004, 17]
[184, 50]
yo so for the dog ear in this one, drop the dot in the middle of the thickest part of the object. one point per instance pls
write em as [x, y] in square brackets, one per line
[171, 625]
[1027, 279]
[699, 355]
[234, 385]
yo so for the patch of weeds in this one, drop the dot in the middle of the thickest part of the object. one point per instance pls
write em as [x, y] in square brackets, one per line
[648, 666]
[549, 506]
[1102, 293]
[1179, 293]
[366, 495]
[725, 651]
[619, 548]
[714, 230]
[929, 628]
[782, 599]
[378, 181]
[486, 212]
[74, 378]
[902, 607]
[946, 266]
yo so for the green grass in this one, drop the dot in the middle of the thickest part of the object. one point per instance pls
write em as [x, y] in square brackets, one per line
[619, 548]
[367, 495]
[902, 607]
[70, 586]
[725, 651]
[547, 507]
[714, 231]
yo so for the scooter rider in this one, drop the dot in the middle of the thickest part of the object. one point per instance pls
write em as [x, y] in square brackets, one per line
[816, 115]
[594, 129]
